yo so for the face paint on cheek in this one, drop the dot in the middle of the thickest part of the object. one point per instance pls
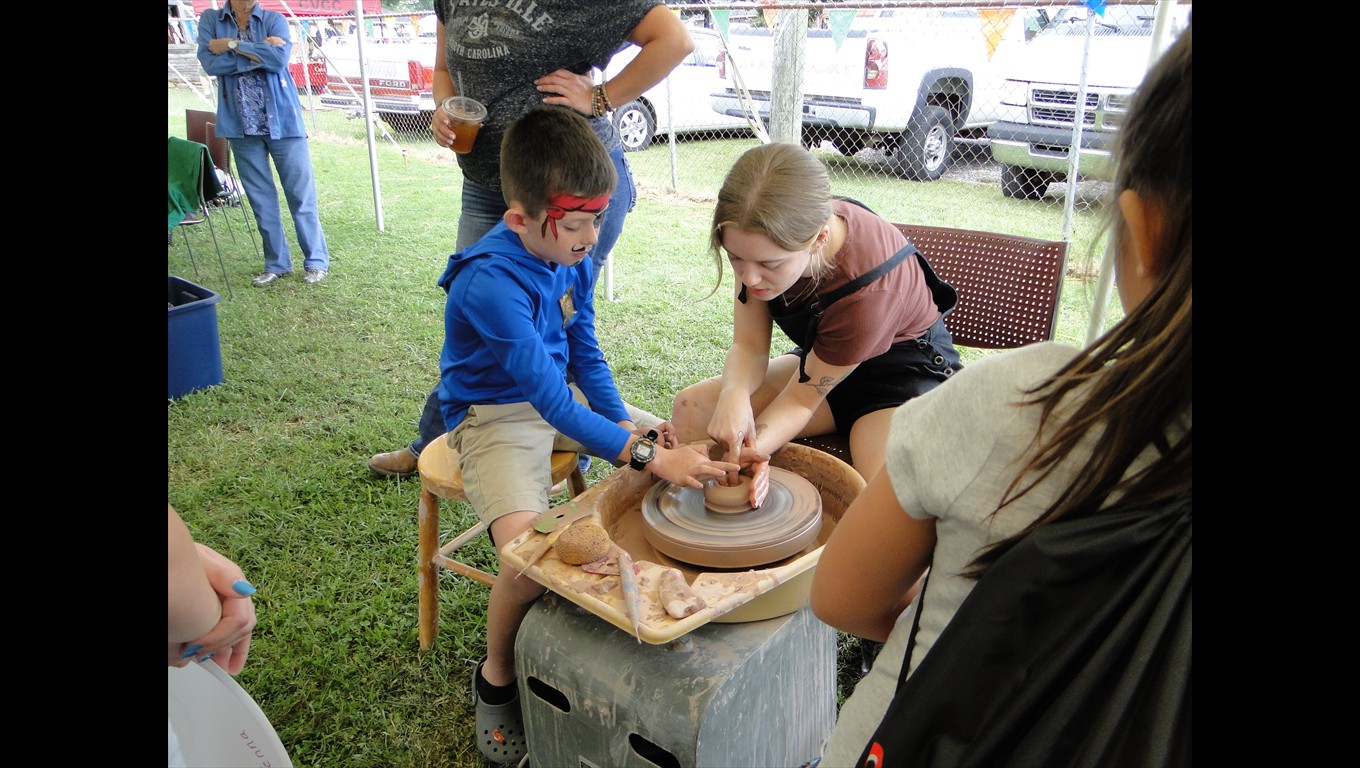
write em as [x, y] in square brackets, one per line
[561, 205]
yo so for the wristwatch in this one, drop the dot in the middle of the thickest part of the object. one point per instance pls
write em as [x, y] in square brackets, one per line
[231, 45]
[643, 450]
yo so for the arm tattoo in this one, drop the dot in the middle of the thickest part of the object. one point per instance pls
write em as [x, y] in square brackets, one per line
[825, 385]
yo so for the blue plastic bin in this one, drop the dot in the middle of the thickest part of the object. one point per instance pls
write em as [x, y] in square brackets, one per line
[194, 353]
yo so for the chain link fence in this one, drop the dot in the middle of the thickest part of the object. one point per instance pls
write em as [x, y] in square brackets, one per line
[895, 98]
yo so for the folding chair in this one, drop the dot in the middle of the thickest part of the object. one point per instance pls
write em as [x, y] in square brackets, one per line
[192, 183]
[232, 196]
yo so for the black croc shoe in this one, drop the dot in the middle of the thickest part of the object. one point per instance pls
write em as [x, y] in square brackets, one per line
[500, 728]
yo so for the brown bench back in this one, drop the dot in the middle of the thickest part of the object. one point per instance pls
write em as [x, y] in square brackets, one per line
[1008, 287]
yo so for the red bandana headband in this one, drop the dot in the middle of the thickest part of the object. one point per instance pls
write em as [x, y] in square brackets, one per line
[561, 205]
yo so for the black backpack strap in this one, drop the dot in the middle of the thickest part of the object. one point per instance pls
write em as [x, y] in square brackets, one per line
[915, 625]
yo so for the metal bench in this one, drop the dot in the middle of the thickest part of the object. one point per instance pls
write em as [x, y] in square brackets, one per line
[1008, 287]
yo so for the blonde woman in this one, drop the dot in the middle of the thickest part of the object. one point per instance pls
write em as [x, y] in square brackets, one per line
[862, 305]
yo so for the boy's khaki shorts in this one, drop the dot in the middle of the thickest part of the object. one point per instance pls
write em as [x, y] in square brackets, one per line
[505, 454]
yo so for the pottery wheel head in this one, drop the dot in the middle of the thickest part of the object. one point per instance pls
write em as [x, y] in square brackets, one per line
[678, 524]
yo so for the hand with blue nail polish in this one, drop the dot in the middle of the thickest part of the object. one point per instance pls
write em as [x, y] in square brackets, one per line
[211, 613]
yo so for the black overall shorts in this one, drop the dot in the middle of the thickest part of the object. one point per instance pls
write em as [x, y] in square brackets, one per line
[908, 369]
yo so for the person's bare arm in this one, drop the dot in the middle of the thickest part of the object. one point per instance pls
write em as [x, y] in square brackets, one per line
[442, 81]
[441, 85]
[211, 613]
[793, 408]
[194, 606]
[663, 42]
[868, 570]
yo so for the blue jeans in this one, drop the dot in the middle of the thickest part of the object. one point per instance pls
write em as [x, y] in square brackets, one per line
[482, 208]
[293, 160]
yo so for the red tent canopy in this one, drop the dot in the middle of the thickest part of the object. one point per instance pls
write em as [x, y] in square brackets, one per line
[300, 7]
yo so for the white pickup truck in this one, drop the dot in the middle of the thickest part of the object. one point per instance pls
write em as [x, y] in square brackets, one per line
[912, 81]
[1033, 139]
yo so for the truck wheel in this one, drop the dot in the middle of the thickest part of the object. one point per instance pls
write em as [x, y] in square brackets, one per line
[1024, 183]
[403, 123]
[636, 126]
[923, 150]
[813, 135]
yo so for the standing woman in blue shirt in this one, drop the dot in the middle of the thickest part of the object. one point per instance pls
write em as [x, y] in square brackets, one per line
[247, 49]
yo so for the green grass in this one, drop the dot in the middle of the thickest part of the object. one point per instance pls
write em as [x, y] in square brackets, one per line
[269, 467]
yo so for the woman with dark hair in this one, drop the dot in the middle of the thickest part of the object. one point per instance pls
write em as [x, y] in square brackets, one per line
[1030, 437]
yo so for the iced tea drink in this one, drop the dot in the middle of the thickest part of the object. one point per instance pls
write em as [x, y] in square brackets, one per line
[467, 115]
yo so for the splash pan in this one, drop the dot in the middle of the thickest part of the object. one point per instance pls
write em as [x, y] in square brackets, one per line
[731, 596]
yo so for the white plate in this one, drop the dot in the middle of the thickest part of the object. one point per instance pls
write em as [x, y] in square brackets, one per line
[217, 723]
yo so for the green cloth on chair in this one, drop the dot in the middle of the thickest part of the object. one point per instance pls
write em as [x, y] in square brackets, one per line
[193, 179]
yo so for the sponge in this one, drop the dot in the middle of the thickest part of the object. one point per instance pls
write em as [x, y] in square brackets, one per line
[582, 543]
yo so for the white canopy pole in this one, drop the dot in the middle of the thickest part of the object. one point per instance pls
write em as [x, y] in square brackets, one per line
[368, 114]
[1106, 278]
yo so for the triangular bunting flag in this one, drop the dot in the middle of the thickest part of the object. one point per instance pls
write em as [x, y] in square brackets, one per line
[840, 24]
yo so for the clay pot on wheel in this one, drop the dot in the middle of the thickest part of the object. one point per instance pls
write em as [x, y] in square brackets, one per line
[728, 499]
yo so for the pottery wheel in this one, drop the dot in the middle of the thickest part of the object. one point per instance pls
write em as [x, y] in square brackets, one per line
[679, 525]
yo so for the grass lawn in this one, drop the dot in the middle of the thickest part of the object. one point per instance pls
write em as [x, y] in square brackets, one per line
[269, 467]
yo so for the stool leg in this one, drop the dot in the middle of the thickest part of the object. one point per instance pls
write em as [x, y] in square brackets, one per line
[576, 482]
[428, 570]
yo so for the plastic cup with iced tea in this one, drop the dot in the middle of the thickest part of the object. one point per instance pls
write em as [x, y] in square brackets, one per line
[467, 115]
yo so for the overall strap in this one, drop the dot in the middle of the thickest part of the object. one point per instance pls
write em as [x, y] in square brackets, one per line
[831, 297]
[825, 300]
[856, 202]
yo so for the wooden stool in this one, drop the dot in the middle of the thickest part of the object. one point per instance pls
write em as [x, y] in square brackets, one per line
[440, 478]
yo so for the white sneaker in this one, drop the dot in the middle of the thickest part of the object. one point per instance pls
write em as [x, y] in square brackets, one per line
[314, 276]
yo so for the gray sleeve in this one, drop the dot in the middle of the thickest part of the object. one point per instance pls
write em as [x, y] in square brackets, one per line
[967, 430]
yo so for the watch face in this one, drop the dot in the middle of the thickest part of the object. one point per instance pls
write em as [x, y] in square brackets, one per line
[644, 450]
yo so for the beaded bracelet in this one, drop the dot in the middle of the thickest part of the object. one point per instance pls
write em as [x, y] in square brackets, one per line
[599, 101]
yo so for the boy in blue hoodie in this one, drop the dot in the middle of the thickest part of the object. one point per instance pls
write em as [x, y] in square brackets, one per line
[519, 320]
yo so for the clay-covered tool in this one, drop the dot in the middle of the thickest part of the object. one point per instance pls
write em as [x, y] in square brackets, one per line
[632, 600]
[676, 596]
